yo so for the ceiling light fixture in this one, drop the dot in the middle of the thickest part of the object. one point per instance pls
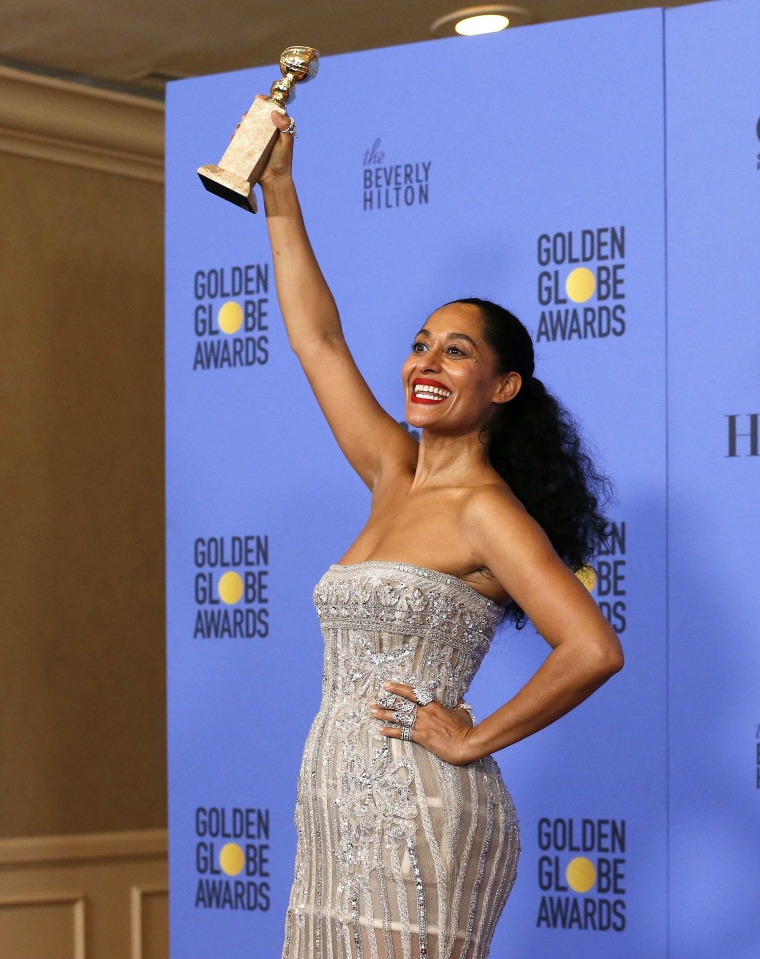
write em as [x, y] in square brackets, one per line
[482, 23]
[474, 20]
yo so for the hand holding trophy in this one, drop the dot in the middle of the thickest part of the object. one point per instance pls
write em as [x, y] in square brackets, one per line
[246, 157]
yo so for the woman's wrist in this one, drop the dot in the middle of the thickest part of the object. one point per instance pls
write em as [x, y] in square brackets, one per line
[484, 740]
[279, 193]
[276, 182]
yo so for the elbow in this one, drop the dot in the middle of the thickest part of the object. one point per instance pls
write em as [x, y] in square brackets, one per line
[617, 662]
[611, 659]
[606, 660]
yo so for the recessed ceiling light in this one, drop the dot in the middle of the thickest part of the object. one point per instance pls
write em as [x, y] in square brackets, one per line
[474, 20]
[482, 23]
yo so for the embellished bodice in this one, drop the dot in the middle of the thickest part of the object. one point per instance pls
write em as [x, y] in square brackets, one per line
[399, 853]
[389, 621]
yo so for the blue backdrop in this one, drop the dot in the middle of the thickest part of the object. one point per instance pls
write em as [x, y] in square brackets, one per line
[528, 168]
[713, 109]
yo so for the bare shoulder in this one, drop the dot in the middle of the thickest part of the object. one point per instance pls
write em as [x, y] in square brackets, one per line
[494, 517]
[489, 503]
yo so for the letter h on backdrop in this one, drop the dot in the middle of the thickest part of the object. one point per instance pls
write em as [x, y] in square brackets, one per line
[734, 434]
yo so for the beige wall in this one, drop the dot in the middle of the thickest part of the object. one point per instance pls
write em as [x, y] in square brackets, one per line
[82, 716]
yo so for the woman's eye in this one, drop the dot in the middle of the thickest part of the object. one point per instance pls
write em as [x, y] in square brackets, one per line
[418, 347]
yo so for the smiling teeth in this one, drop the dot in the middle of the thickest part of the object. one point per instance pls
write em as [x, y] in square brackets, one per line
[430, 392]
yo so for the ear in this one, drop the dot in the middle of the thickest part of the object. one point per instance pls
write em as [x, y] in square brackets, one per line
[508, 388]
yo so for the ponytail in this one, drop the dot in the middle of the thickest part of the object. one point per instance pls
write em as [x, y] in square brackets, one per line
[535, 446]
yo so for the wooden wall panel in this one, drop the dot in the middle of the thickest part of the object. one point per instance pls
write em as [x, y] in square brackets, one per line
[97, 896]
[150, 922]
[42, 925]
[82, 714]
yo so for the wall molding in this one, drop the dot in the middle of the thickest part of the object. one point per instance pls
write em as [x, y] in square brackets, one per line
[51, 119]
[75, 900]
[114, 887]
[134, 844]
[138, 894]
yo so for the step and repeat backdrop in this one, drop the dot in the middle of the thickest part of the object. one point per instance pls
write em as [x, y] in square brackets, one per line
[713, 191]
[529, 168]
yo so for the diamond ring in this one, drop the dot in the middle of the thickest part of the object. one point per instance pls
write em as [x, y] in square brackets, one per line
[423, 695]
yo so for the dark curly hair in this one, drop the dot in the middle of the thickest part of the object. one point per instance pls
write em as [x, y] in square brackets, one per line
[535, 445]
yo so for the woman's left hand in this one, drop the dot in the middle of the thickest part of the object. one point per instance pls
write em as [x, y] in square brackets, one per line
[442, 731]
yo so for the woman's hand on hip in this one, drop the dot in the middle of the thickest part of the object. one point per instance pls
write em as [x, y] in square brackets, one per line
[442, 731]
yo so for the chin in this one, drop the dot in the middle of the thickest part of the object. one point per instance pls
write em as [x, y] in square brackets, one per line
[422, 421]
[417, 415]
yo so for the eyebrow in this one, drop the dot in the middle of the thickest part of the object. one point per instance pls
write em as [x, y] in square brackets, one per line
[451, 336]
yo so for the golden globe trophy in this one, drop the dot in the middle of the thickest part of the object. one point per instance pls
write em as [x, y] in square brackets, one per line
[246, 156]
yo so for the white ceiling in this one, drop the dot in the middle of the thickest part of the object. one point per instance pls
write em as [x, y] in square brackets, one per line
[141, 43]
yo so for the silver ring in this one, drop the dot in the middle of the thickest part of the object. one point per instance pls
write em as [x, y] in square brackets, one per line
[406, 734]
[405, 706]
[407, 717]
[291, 128]
[423, 695]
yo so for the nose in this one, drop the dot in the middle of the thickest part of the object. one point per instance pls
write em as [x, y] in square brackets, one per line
[431, 361]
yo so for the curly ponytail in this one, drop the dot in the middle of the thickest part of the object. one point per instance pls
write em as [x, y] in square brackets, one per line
[535, 445]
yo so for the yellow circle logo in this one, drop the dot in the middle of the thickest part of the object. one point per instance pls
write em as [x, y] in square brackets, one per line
[580, 874]
[231, 858]
[580, 284]
[230, 588]
[230, 317]
[587, 575]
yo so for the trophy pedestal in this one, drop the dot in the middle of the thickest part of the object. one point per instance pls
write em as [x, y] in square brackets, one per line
[245, 158]
[228, 186]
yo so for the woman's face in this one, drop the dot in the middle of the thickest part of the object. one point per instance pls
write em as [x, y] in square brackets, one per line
[450, 378]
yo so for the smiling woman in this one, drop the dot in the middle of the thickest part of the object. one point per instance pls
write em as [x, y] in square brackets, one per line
[533, 442]
[407, 835]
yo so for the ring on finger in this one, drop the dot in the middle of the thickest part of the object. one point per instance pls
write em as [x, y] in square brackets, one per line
[406, 734]
[405, 706]
[423, 695]
[407, 718]
[291, 128]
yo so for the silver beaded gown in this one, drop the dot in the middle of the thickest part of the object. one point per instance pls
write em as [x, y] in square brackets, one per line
[400, 855]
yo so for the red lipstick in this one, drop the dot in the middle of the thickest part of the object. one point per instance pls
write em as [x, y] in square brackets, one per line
[425, 391]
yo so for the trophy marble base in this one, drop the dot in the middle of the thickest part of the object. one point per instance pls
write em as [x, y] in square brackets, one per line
[245, 158]
[228, 186]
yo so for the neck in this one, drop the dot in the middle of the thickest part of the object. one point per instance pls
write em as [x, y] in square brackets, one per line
[450, 460]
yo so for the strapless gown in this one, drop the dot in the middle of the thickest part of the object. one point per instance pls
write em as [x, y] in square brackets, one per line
[400, 855]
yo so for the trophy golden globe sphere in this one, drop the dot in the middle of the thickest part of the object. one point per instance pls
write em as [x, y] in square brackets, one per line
[298, 65]
[302, 62]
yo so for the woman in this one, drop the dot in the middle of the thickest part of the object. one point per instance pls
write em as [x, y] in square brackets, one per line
[407, 836]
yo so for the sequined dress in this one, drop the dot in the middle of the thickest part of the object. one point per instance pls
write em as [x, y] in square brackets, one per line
[400, 855]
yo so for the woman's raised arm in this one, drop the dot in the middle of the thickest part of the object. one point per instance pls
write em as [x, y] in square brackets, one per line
[368, 436]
